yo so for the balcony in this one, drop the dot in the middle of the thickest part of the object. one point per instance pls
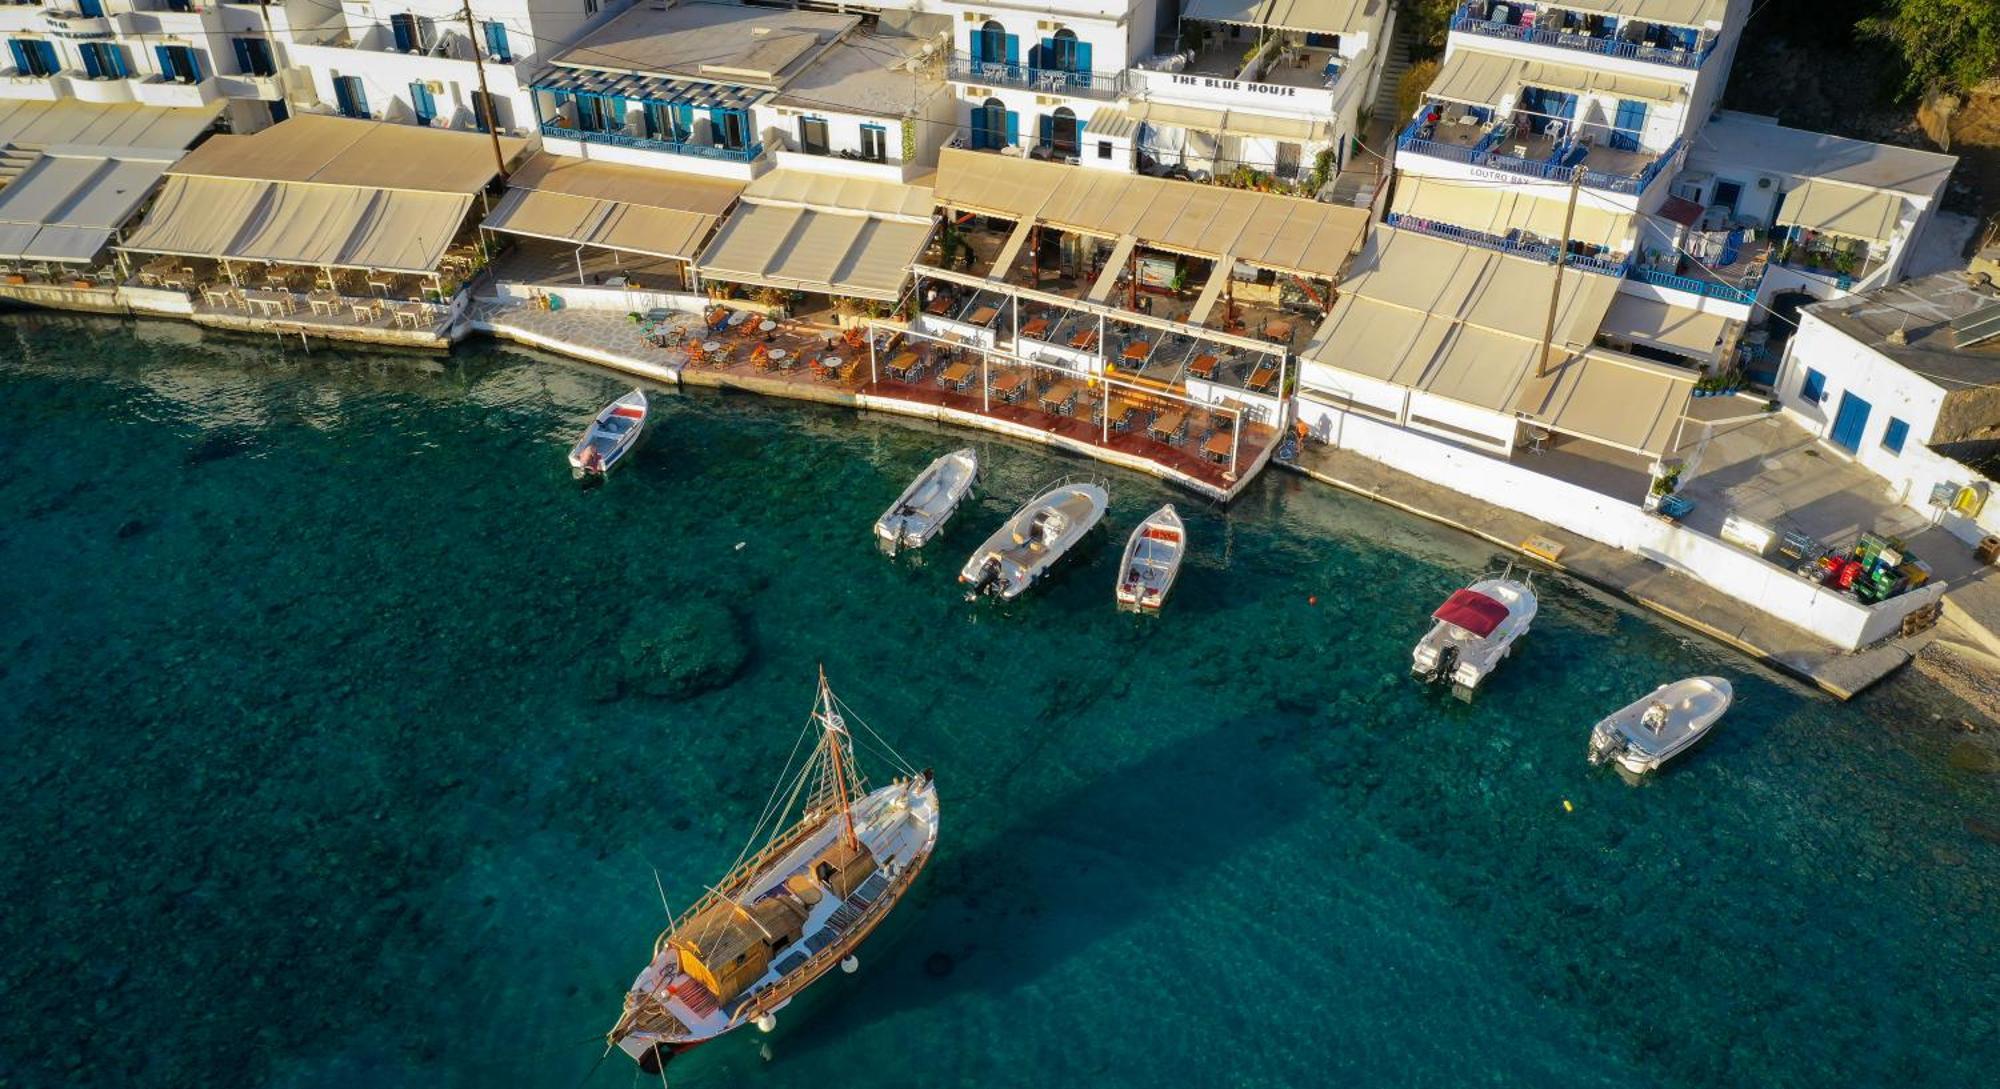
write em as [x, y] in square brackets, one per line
[1469, 20]
[155, 91]
[1534, 250]
[1538, 157]
[1053, 81]
[751, 153]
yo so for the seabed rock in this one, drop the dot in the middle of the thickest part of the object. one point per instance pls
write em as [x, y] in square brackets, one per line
[701, 650]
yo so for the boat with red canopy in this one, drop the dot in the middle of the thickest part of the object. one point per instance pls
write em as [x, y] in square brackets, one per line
[1472, 631]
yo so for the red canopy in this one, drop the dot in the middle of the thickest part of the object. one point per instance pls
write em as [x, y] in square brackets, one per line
[1473, 611]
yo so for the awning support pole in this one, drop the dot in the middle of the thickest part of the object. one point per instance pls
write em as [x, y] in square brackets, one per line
[579, 267]
[1235, 440]
[985, 382]
[873, 379]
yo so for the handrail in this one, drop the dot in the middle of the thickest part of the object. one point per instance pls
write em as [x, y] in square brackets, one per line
[677, 147]
[1536, 251]
[1054, 80]
[1466, 22]
[1713, 289]
[1483, 154]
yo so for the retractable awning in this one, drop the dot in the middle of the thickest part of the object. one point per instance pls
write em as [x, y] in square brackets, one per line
[1306, 16]
[1820, 205]
[1694, 333]
[1479, 207]
[1612, 398]
[794, 230]
[66, 208]
[1474, 78]
[631, 209]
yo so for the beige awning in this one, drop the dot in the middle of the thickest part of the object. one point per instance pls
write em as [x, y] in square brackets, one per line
[631, 209]
[287, 223]
[1571, 77]
[1612, 398]
[1186, 117]
[1308, 16]
[829, 193]
[327, 150]
[65, 207]
[1544, 218]
[1820, 205]
[795, 248]
[1689, 13]
[1287, 234]
[1695, 333]
[1111, 122]
[1476, 78]
[1121, 253]
[122, 126]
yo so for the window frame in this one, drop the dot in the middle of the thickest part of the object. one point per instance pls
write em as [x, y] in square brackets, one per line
[1898, 430]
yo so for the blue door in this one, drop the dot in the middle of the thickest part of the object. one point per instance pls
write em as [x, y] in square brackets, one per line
[423, 103]
[1850, 422]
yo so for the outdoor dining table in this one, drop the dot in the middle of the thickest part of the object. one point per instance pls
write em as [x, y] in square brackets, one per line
[1167, 426]
[217, 296]
[956, 375]
[414, 314]
[1008, 385]
[1084, 340]
[1217, 446]
[323, 302]
[268, 302]
[364, 313]
[904, 366]
[1059, 396]
[711, 345]
[1260, 379]
[381, 284]
[778, 356]
[939, 306]
[737, 317]
[1035, 327]
[1121, 410]
[1204, 366]
[766, 326]
[1278, 330]
[1137, 351]
[982, 315]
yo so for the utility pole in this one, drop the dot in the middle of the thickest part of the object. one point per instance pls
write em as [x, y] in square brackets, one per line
[1562, 258]
[485, 96]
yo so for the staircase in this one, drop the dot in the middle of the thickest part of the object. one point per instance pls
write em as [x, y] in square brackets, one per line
[1393, 66]
[15, 158]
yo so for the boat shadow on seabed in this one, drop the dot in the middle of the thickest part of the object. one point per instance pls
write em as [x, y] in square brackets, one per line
[1095, 861]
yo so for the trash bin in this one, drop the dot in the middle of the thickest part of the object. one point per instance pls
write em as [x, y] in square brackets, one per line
[1988, 550]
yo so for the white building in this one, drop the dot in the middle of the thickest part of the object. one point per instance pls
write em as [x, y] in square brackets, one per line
[730, 90]
[1900, 379]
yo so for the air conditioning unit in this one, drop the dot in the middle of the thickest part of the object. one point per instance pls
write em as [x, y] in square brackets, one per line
[1045, 100]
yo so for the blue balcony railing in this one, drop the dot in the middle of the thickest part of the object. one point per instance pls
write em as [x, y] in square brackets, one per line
[675, 147]
[1482, 154]
[1467, 22]
[1056, 81]
[1534, 251]
[1713, 289]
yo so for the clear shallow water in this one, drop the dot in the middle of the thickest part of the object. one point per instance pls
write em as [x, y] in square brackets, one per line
[342, 731]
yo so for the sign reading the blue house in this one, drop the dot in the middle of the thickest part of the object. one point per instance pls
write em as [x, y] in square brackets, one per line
[1220, 84]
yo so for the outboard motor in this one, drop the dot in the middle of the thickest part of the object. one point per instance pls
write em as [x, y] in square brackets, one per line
[989, 574]
[1447, 664]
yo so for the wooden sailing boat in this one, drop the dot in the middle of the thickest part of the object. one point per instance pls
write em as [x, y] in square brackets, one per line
[837, 859]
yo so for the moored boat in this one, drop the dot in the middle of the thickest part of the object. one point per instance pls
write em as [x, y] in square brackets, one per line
[1152, 560]
[922, 510]
[1029, 543]
[610, 436]
[1642, 736]
[1472, 631]
[837, 859]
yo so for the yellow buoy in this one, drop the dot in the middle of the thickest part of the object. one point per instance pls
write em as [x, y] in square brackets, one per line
[1568, 808]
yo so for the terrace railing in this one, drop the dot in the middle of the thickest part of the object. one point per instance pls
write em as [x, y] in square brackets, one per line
[1713, 289]
[1468, 23]
[1060, 81]
[1483, 154]
[675, 147]
[1535, 251]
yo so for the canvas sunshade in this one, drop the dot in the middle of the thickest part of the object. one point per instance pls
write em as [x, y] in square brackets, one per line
[1868, 214]
[790, 247]
[1309, 16]
[109, 126]
[1112, 122]
[610, 224]
[354, 152]
[831, 193]
[65, 208]
[1608, 397]
[1694, 332]
[1689, 13]
[1474, 78]
[291, 223]
[1599, 81]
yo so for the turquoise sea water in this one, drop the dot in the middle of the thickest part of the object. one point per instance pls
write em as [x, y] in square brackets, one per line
[342, 732]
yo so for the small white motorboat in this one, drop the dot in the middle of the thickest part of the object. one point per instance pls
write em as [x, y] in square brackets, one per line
[1152, 559]
[609, 437]
[1475, 628]
[922, 510]
[1646, 734]
[1034, 539]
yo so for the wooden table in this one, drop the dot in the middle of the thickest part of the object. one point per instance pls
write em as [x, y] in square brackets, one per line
[217, 297]
[1218, 446]
[1260, 379]
[939, 306]
[1084, 341]
[1058, 397]
[268, 302]
[381, 284]
[364, 313]
[904, 366]
[1167, 426]
[1008, 385]
[982, 315]
[1035, 327]
[1204, 366]
[1137, 351]
[1120, 410]
[958, 374]
[1279, 330]
[323, 302]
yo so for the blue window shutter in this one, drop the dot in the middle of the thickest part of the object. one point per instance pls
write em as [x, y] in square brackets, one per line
[20, 55]
[359, 95]
[422, 104]
[341, 100]
[194, 64]
[1048, 128]
[1083, 57]
[1013, 128]
[90, 66]
[116, 55]
[496, 40]
[1894, 435]
[400, 27]
[243, 62]
[166, 58]
[1814, 387]
[1013, 49]
[93, 9]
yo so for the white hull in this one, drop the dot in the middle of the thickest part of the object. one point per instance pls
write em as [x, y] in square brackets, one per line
[898, 824]
[920, 513]
[1449, 653]
[1031, 542]
[1681, 714]
[610, 436]
[1152, 560]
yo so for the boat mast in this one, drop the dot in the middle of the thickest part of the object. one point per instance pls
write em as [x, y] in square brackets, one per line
[834, 731]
